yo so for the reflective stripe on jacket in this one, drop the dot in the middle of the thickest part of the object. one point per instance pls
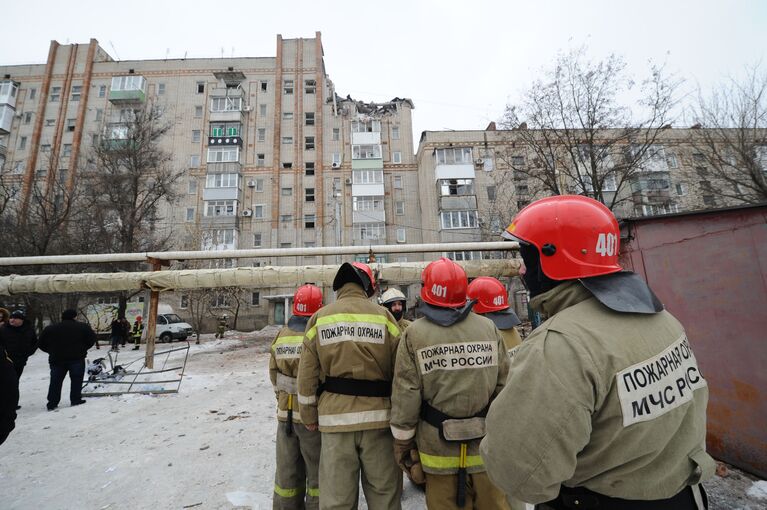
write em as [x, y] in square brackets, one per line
[351, 338]
[457, 369]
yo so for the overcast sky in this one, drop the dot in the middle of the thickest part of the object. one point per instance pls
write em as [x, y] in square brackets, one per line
[459, 61]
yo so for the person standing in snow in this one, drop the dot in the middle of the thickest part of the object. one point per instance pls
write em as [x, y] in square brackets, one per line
[9, 396]
[19, 340]
[296, 482]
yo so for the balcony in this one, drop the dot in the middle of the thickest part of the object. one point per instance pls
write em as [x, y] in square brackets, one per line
[369, 216]
[232, 167]
[224, 222]
[454, 171]
[127, 89]
[221, 193]
[6, 118]
[227, 108]
[458, 203]
[8, 92]
[373, 138]
[224, 140]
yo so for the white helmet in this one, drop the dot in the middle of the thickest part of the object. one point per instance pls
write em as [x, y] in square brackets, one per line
[391, 295]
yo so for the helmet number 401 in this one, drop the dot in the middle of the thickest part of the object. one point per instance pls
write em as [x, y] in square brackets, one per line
[301, 307]
[439, 290]
[607, 244]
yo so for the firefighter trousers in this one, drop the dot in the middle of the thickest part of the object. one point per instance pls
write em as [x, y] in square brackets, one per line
[296, 482]
[348, 455]
[481, 494]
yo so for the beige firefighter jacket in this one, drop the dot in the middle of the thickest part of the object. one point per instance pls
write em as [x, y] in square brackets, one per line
[351, 338]
[511, 340]
[457, 369]
[613, 402]
[283, 370]
[403, 323]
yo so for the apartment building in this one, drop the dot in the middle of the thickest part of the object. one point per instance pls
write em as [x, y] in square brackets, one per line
[272, 156]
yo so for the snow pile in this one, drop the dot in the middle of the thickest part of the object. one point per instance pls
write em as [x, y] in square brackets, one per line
[758, 490]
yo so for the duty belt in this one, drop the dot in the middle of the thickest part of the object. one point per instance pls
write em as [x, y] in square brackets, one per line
[571, 498]
[355, 387]
[438, 419]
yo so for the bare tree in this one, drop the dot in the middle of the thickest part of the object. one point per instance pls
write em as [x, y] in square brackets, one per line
[575, 131]
[733, 145]
[130, 178]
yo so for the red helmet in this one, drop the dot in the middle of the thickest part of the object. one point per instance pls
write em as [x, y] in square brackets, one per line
[444, 284]
[307, 300]
[356, 272]
[138, 318]
[490, 294]
[576, 236]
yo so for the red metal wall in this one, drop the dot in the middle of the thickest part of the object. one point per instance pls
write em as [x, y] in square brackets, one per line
[710, 271]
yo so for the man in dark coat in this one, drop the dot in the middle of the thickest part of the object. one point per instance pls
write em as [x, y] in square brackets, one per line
[67, 343]
[19, 340]
[9, 396]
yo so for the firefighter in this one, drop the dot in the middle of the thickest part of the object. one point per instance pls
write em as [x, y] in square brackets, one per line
[296, 482]
[605, 406]
[138, 328]
[396, 303]
[492, 301]
[451, 363]
[348, 355]
[223, 325]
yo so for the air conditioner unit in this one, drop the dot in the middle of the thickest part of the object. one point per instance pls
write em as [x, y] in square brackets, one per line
[348, 180]
[247, 212]
[479, 162]
[251, 183]
[336, 165]
[247, 108]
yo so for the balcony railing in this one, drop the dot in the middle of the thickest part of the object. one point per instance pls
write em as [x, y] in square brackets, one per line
[128, 89]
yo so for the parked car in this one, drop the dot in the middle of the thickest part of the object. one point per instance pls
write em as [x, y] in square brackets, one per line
[170, 327]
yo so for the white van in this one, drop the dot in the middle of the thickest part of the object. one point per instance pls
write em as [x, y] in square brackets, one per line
[170, 327]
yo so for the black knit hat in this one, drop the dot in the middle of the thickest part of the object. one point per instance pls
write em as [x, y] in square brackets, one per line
[18, 314]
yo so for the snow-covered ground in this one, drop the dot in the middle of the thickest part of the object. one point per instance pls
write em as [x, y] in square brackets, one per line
[211, 446]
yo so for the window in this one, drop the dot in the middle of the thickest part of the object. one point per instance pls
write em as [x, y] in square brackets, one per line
[309, 194]
[287, 115]
[223, 154]
[491, 192]
[262, 109]
[22, 143]
[369, 126]
[522, 189]
[463, 255]
[200, 87]
[261, 134]
[192, 186]
[517, 161]
[219, 300]
[399, 207]
[189, 214]
[286, 192]
[76, 92]
[102, 90]
[309, 168]
[369, 203]
[671, 160]
[99, 114]
[264, 86]
[255, 297]
[286, 164]
[369, 231]
[32, 93]
[395, 133]
[258, 212]
[18, 167]
[128, 82]
[286, 245]
[309, 220]
[396, 157]
[71, 124]
[55, 94]
[457, 187]
[287, 87]
[286, 218]
[310, 86]
[259, 185]
[194, 161]
[220, 239]
[681, 189]
[198, 112]
[459, 219]
[309, 118]
[160, 89]
[184, 303]
[221, 181]
[226, 104]
[401, 235]
[309, 143]
[521, 204]
[45, 148]
[67, 150]
[336, 159]
[454, 156]
[336, 134]
[50, 122]
[397, 182]
[366, 152]
[709, 200]
[257, 240]
[367, 176]
[220, 208]
[27, 117]
[287, 140]
[260, 159]
[196, 136]
[699, 159]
